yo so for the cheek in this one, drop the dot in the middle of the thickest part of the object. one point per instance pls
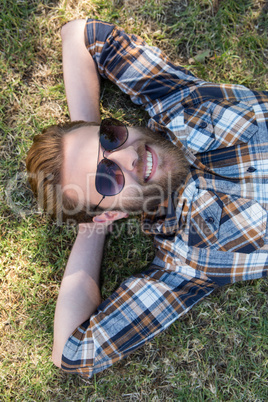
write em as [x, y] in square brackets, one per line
[131, 194]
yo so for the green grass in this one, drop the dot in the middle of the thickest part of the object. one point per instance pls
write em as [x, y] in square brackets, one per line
[218, 352]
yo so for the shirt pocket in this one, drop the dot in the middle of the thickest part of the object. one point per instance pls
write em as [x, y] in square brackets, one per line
[219, 124]
[226, 223]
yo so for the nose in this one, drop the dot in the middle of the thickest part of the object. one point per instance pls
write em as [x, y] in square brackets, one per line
[126, 158]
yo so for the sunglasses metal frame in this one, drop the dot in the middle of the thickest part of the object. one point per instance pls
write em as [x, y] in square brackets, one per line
[102, 125]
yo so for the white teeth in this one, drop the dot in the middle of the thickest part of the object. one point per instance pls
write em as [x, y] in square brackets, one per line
[149, 164]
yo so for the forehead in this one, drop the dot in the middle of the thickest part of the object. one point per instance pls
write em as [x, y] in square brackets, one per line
[80, 153]
[76, 140]
[79, 142]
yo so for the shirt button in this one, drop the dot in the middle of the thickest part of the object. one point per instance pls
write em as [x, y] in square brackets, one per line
[251, 169]
[202, 125]
[210, 219]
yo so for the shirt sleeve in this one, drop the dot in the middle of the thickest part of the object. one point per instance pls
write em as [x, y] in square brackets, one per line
[142, 307]
[188, 111]
[141, 71]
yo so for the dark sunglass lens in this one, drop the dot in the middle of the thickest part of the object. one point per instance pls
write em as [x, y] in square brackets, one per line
[113, 134]
[109, 178]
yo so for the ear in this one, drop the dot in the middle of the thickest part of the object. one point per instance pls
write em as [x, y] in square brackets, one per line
[109, 216]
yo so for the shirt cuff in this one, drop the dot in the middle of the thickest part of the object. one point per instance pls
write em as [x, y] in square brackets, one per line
[96, 34]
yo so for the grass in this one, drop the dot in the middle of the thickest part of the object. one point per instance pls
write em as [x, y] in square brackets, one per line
[218, 352]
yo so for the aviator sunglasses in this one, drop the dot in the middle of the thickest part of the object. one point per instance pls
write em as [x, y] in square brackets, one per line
[110, 179]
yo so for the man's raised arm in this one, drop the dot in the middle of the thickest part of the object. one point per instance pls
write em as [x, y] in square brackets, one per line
[79, 294]
[81, 78]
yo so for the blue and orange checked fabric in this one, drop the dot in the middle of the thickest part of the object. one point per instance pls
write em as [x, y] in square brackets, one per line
[214, 231]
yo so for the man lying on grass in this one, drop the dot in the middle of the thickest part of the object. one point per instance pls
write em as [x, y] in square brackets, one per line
[198, 173]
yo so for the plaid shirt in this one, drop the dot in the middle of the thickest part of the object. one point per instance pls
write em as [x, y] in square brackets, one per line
[214, 231]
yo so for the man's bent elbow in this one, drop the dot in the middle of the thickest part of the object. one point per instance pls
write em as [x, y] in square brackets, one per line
[56, 357]
[70, 28]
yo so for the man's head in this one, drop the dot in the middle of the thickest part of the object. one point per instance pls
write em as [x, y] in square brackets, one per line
[62, 165]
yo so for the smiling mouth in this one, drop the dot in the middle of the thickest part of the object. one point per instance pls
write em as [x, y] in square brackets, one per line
[149, 164]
